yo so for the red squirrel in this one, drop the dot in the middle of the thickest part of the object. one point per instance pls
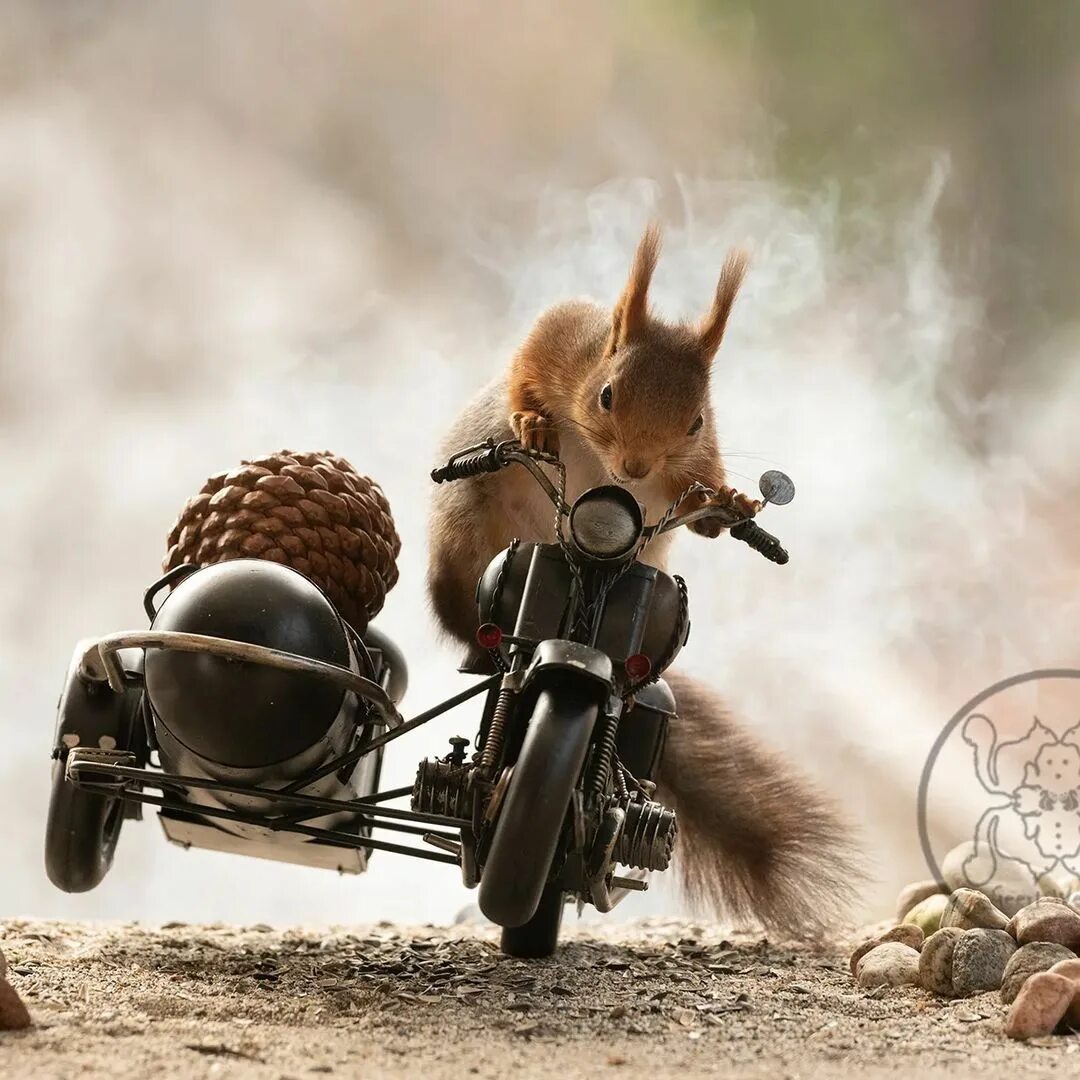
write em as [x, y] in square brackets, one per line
[623, 396]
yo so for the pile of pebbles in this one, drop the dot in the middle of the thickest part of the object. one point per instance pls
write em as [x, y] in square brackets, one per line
[14, 1015]
[956, 941]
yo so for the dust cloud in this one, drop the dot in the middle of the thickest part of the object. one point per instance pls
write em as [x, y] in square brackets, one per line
[227, 229]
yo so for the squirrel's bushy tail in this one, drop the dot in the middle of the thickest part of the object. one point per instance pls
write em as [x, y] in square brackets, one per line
[758, 842]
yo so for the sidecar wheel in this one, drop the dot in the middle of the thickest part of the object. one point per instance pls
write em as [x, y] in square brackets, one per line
[531, 820]
[81, 835]
[539, 937]
[83, 827]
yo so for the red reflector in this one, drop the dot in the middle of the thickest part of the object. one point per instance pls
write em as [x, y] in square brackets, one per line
[638, 666]
[488, 636]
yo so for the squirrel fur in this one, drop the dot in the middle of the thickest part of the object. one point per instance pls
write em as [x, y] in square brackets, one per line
[623, 396]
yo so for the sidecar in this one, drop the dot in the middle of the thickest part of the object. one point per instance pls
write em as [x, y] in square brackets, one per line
[250, 714]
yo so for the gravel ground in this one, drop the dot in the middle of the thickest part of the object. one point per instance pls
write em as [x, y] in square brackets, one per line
[662, 998]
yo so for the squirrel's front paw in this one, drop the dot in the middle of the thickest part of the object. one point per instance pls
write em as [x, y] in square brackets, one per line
[535, 432]
[739, 505]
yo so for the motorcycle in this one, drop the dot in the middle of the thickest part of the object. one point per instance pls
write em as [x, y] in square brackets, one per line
[255, 718]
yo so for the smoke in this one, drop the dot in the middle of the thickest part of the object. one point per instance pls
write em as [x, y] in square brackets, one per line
[230, 229]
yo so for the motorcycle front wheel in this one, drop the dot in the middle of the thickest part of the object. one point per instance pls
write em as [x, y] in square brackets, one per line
[530, 822]
[538, 937]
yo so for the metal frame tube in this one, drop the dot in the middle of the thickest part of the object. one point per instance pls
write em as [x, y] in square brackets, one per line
[101, 663]
[332, 836]
[170, 780]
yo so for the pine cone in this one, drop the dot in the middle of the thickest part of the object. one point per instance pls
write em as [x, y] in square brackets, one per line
[313, 512]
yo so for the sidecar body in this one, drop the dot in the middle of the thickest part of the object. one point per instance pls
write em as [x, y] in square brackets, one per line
[249, 715]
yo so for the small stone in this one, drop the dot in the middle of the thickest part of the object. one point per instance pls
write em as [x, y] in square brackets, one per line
[1008, 886]
[1074, 900]
[1048, 919]
[1029, 960]
[1040, 1005]
[936, 960]
[908, 935]
[891, 964]
[970, 910]
[14, 1016]
[914, 894]
[1070, 969]
[926, 914]
[979, 960]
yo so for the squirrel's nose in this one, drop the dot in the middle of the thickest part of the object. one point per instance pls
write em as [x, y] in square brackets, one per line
[635, 468]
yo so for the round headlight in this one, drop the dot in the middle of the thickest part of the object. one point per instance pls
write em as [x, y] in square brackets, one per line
[606, 522]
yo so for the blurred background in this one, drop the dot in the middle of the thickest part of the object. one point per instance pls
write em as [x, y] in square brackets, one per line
[231, 228]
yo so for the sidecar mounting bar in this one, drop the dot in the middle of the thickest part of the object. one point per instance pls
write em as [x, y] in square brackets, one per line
[100, 663]
[355, 755]
[171, 780]
[331, 836]
[284, 821]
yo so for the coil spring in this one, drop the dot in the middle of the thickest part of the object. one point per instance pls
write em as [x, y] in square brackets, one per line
[493, 744]
[442, 788]
[648, 836]
[605, 755]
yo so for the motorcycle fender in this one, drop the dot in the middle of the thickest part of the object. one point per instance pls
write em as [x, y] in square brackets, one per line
[559, 660]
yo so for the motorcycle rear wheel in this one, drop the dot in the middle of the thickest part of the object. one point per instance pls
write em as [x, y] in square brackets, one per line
[530, 823]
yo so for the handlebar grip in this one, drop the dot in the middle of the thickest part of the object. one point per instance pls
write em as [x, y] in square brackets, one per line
[764, 543]
[480, 461]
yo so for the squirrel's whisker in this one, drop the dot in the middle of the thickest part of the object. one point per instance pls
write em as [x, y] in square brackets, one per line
[600, 436]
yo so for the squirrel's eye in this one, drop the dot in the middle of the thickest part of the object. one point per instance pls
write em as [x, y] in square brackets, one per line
[695, 427]
[605, 398]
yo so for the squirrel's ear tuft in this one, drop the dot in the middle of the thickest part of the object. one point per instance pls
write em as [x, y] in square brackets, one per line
[711, 328]
[631, 310]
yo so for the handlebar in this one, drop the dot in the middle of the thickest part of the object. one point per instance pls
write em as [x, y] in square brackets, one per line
[471, 463]
[764, 543]
[490, 457]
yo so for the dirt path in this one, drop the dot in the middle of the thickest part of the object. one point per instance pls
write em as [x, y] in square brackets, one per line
[655, 1000]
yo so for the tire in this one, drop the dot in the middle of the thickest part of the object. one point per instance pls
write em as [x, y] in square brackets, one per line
[81, 835]
[83, 828]
[540, 935]
[534, 809]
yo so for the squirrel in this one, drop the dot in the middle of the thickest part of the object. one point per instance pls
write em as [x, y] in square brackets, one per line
[623, 396]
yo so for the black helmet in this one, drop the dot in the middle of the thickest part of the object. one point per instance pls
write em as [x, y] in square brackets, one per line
[241, 714]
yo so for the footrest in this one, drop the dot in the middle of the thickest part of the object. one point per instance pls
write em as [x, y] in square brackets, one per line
[83, 765]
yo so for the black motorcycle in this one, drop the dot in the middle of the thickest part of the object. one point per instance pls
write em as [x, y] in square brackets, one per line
[254, 718]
